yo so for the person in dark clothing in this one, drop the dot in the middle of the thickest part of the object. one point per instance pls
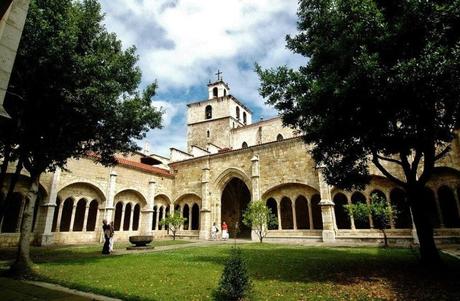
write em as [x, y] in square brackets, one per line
[106, 230]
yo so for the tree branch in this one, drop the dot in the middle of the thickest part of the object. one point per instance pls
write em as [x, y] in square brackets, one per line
[442, 153]
[385, 172]
[387, 159]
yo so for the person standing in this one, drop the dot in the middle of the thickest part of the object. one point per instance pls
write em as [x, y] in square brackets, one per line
[106, 231]
[111, 240]
[214, 231]
[224, 231]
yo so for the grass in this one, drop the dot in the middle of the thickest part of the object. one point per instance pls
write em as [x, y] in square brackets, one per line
[278, 272]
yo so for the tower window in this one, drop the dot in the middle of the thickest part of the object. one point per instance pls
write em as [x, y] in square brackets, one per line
[238, 113]
[208, 133]
[214, 92]
[244, 145]
[225, 92]
[279, 137]
[244, 118]
[208, 112]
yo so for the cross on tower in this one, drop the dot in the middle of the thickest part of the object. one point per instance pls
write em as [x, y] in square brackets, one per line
[218, 75]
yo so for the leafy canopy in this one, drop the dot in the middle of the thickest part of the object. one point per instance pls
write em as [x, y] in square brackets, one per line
[260, 218]
[381, 83]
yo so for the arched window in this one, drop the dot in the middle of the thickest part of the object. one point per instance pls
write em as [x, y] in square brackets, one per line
[214, 92]
[301, 212]
[185, 214]
[317, 219]
[225, 92]
[244, 118]
[279, 137]
[208, 112]
[448, 207]
[92, 216]
[118, 211]
[398, 200]
[66, 215]
[127, 219]
[208, 133]
[238, 113]
[137, 211]
[195, 217]
[273, 206]
[287, 221]
[79, 215]
[358, 197]
[342, 219]
[244, 145]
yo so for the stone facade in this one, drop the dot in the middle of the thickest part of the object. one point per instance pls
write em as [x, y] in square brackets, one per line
[216, 177]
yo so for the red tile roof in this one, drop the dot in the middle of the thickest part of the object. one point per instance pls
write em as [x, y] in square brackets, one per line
[145, 167]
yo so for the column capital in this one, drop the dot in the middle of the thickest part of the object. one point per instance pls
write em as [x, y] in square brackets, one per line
[326, 203]
[113, 173]
[255, 158]
[152, 182]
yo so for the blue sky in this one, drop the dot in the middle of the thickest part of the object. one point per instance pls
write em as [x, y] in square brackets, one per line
[182, 43]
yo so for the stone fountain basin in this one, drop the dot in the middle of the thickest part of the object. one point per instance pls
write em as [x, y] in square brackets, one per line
[141, 240]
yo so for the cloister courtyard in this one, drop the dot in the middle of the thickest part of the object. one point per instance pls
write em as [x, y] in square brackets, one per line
[190, 270]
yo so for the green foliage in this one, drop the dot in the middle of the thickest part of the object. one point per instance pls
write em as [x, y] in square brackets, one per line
[234, 283]
[260, 218]
[174, 221]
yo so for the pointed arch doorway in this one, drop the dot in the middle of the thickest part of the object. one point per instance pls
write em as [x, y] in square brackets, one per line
[235, 199]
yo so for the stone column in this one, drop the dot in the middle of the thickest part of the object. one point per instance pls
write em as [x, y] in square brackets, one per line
[157, 219]
[131, 218]
[205, 220]
[122, 221]
[49, 207]
[146, 225]
[255, 178]
[109, 209]
[457, 201]
[414, 230]
[352, 220]
[72, 216]
[438, 209]
[181, 209]
[278, 209]
[85, 221]
[59, 217]
[190, 218]
[310, 214]
[327, 208]
[294, 217]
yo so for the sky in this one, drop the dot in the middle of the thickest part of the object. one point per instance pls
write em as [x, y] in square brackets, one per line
[182, 43]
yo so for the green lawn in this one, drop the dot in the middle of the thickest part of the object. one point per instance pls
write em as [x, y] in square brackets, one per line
[279, 272]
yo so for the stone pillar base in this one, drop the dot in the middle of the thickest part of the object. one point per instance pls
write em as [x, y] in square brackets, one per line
[46, 239]
[328, 236]
[204, 235]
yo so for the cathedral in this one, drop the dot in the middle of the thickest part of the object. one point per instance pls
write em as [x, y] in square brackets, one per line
[230, 161]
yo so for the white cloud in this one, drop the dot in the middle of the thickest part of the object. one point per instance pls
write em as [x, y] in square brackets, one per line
[182, 43]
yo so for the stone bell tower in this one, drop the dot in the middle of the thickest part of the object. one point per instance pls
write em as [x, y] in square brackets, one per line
[210, 121]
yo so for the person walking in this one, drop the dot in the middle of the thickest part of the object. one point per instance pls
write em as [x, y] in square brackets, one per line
[111, 240]
[214, 231]
[106, 231]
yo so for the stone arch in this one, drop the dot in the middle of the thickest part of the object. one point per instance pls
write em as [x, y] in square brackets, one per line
[279, 137]
[23, 185]
[358, 197]
[208, 111]
[273, 206]
[302, 215]
[448, 206]
[287, 220]
[79, 215]
[235, 198]
[403, 218]
[215, 92]
[77, 189]
[291, 190]
[230, 173]
[244, 145]
[189, 197]
[342, 219]
[131, 195]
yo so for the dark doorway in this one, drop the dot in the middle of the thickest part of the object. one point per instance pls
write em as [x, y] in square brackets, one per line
[235, 199]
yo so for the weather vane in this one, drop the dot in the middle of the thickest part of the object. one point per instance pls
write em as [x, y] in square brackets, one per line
[219, 75]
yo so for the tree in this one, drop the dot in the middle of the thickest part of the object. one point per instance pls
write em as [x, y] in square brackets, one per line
[381, 86]
[380, 211]
[260, 218]
[234, 283]
[78, 92]
[175, 221]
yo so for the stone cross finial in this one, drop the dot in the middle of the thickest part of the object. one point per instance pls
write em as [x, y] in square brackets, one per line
[219, 75]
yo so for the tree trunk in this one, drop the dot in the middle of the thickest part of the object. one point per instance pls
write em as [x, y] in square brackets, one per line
[3, 170]
[23, 266]
[385, 238]
[429, 254]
